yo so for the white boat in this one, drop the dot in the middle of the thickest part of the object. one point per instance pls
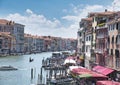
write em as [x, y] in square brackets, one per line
[7, 68]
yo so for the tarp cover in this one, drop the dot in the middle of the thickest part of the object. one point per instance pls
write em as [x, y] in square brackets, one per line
[102, 70]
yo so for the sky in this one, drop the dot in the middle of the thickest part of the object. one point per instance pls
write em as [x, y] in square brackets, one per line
[58, 18]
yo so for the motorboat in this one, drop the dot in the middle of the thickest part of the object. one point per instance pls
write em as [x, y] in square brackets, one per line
[7, 68]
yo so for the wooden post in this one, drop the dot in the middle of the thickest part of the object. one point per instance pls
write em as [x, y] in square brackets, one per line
[41, 75]
[38, 81]
[31, 73]
[34, 72]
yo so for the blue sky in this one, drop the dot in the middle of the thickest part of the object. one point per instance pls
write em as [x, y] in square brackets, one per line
[49, 8]
[52, 17]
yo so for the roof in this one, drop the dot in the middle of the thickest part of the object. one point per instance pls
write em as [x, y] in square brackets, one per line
[87, 19]
[114, 21]
[107, 13]
[6, 22]
[102, 70]
[3, 21]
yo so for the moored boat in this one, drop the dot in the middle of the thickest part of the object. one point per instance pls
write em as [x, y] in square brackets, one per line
[7, 68]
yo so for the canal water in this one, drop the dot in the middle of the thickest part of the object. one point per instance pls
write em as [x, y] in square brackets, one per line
[22, 76]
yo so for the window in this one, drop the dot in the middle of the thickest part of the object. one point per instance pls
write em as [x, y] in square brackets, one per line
[0, 43]
[107, 51]
[110, 27]
[109, 40]
[86, 38]
[117, 53]
[0, 28]
[113, 26]
[116, 38]
[86, 48]
[112, 39]
[111, 51]
[89, 38]
[96, 18]
[119, 38]
[80, 34]
[119, 26]
[116, 26]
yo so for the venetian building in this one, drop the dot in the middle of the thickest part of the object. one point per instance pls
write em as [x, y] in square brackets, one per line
[16, 30]
[7, 43]
[113, 59]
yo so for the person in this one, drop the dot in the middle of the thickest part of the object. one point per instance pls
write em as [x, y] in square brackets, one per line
[78, 61]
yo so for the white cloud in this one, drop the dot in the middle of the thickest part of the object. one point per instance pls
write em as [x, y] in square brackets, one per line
[29, 11]
[116, 5]
[70, 18]
[38, 24]
[78, 14]
[81, 13]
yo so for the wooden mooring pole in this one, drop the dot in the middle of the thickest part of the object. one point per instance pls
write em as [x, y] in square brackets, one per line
[31, 73]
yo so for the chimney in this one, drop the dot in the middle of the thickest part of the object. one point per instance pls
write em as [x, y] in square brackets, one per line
[105, 10]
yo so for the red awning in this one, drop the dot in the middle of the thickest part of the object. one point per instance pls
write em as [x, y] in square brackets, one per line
[107, 83]
[87, 73]
[102, 70]
[80, 70]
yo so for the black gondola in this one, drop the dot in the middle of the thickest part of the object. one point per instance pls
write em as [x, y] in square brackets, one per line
[30, 60]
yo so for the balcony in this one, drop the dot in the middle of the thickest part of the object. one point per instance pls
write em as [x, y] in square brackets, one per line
[101, 36]
[100, 51]
[92, 59]
[101, 26]
[88, 31]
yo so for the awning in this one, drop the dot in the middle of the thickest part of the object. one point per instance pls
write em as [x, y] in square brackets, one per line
[69, 61]
[85, 75]
[71, 57]
[107, 83]
[81, 72]
[102, 70]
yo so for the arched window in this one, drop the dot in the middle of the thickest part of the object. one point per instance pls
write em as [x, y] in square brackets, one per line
[112, 39]
[111, 51]
[109, 40]
[116, 39]
[117, 53]
[116, 26]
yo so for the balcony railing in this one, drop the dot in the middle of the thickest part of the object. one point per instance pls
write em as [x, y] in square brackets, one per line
[92, 58]
[101, 26]
[102, 36]
[100, 51]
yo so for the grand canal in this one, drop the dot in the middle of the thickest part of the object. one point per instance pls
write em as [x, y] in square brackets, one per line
[22, 76]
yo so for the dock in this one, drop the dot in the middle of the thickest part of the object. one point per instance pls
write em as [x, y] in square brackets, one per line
[57, 71]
